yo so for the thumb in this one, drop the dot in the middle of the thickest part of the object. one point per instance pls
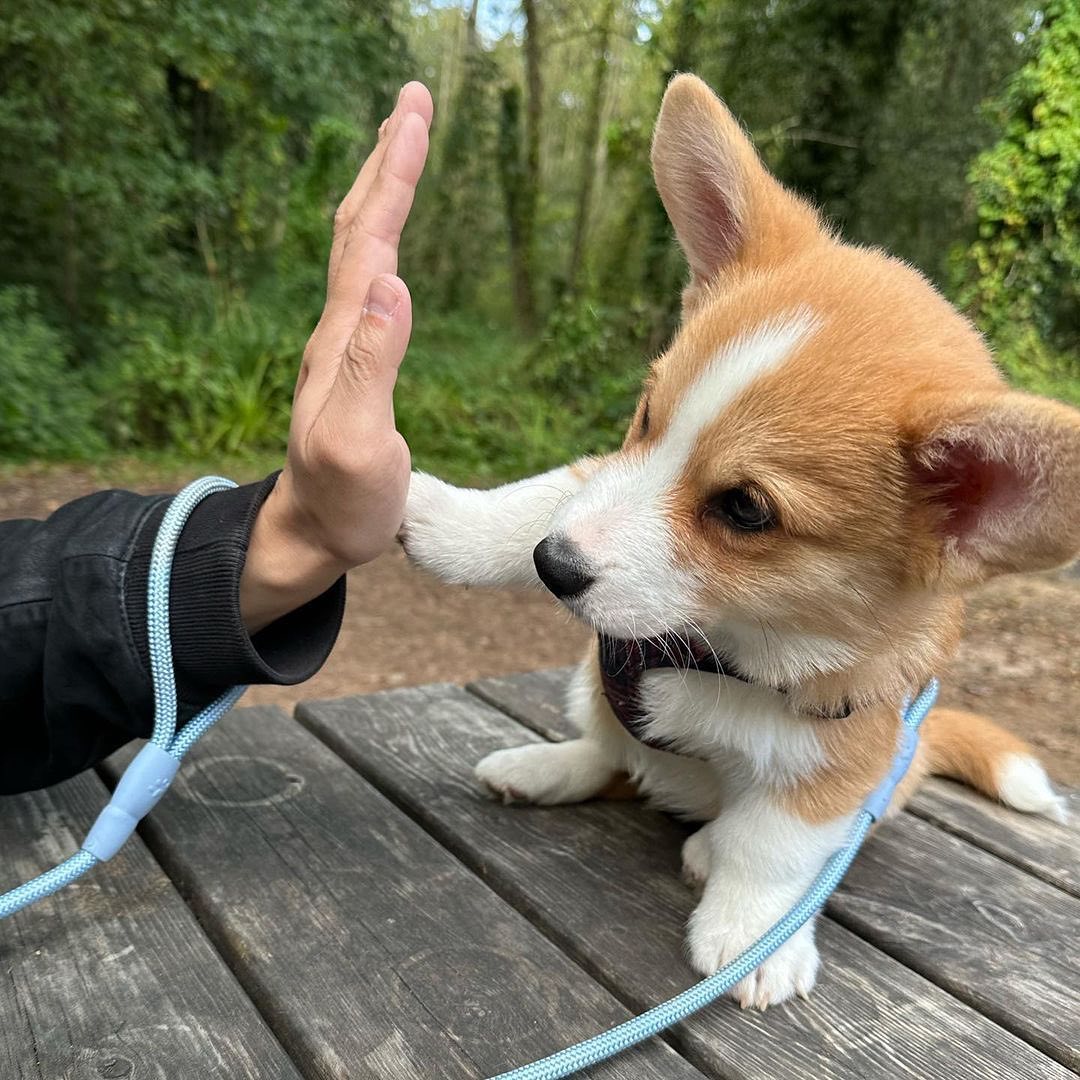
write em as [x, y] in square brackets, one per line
[368, 371]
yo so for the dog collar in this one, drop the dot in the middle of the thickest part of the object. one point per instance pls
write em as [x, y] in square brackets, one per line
[623, 662]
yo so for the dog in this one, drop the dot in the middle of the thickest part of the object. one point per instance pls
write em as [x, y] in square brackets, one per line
[820, 463]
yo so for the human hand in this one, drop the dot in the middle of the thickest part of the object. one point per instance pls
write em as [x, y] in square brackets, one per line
[341, 496]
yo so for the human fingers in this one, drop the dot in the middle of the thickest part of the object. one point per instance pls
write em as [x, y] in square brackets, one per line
[371, 245]
[414, 97]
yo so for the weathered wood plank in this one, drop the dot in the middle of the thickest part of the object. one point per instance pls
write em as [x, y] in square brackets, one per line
[1044, 848]
[958, 946]
[602, 879]
[535, 698]
[112, 977]
[375, 953]
[998, 938]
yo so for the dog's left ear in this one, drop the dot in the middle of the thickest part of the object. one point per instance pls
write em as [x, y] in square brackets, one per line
[999, 477]
[726, 207]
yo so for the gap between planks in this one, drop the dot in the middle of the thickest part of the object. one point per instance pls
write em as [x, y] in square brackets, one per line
[326, 720]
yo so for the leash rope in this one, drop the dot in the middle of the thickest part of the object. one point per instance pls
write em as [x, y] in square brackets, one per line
[151, 771]
[147, 778]
[631, 1032]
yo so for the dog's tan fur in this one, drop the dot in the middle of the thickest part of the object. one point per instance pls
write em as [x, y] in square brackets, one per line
[914, 375]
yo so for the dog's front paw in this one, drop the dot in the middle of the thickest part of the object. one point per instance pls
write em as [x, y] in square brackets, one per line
[716, 938]
[547, 774]
[696, 859]
[439, 525]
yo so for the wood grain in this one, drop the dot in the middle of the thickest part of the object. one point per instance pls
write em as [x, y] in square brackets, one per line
[602, 880]
[112, 977]
[993, 935]
[535, 698]
[1044, 848]
[998, 938]
[373, 951]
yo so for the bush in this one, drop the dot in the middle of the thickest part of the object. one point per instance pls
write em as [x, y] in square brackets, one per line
[221, 385]
[1020, 277]
[478, 405]
[46, 408]
[590, 359]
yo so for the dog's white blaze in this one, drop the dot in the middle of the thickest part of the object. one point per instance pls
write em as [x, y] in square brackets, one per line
[733, 370]
[620, 518]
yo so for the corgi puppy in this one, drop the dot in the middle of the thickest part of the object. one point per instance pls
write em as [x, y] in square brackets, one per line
[820, 463]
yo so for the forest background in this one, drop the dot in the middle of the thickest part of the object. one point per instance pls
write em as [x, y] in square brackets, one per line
[168, 171]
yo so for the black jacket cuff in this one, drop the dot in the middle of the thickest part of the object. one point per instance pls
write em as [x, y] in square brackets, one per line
[212, 650]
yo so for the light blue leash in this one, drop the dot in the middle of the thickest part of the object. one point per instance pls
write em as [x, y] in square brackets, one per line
[601, 1047]
[151, 771]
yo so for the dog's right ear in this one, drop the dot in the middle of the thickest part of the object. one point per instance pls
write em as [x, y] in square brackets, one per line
[727, 209]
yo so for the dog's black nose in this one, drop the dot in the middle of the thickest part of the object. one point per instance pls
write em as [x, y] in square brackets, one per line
[562, 567]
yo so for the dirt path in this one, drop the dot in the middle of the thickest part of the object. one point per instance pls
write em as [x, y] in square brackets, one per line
[1019, 661]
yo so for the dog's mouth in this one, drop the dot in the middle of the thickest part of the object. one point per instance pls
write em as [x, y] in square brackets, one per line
[671, 650]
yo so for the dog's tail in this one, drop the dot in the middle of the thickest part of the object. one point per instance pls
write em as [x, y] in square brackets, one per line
[973, 749]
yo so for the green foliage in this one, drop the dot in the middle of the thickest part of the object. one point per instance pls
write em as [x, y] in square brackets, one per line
[871, 109]
[1021, 275]
[478, 405]
[46, 409]
[170, 171]
[220, 385]
[590, 362]
[149, 148]
[462, 407]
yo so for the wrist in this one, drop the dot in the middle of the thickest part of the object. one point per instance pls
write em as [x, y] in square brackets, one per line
[285, 566]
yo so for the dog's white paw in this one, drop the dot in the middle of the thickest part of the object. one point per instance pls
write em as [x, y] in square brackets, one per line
[439, 526]
[790, 971]
[547, 773]
[696, 859]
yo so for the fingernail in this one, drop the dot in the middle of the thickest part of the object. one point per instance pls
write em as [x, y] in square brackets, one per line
[382, 299]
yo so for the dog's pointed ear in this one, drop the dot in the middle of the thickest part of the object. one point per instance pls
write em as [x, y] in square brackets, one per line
[999, 479]
[725, 206]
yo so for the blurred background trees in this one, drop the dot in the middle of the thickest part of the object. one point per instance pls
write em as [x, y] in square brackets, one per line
[168, 171]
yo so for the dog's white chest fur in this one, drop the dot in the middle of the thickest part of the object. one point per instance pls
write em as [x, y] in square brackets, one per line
[727, 736]
[718, 718]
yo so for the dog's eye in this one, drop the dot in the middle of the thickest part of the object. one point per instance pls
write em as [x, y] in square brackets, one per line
[741, 508]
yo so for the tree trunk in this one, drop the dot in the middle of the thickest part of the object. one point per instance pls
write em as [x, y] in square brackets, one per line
[524, 269]
[662, 273]
[514, 184]
[589, 142]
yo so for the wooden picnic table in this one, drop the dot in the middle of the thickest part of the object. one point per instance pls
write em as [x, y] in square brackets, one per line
[331, 896]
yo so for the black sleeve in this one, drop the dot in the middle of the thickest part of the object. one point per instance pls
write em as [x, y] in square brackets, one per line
[74, 659]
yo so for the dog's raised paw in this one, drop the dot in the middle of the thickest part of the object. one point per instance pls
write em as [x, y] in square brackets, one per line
[431, 531]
